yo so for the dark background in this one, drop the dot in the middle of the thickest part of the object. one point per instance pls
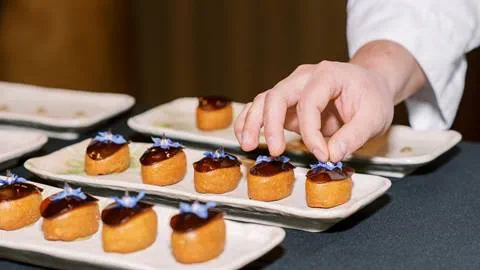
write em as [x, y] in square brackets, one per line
[160, 50]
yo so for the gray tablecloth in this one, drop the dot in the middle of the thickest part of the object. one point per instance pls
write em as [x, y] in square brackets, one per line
[429, 220]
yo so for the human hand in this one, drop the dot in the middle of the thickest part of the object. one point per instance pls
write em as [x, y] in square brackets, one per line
[344, 101]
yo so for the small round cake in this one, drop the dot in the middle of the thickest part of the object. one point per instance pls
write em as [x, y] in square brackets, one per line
[270, 179]
[214, 112]
[129, 225]
[19, 202]
[198, 234]
[107, 153]
[163, 164]
[218, 172]
[328, 185]
[69, 215]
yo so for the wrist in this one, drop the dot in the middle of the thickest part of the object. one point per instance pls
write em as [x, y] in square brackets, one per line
[394, 64]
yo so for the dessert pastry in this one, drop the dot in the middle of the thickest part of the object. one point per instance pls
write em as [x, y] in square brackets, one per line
[270, 179]
[214, 112]
[328, 185]
[129, 225]
[164, 163]
[107, 153]
[218, 172]
[198, 233]
[19, 202]
[69, 215]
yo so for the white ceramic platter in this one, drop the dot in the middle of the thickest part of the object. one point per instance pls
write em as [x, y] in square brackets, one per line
[67, 165]
[28, 245]
[177, 118]
[14, 143]
[398, 152]
[58, 108]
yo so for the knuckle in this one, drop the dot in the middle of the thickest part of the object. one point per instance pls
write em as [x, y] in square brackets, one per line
[259, 97]
[303, 68]
[326, 66]
[272, 97]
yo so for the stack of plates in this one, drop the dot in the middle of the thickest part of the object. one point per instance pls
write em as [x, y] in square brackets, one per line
[57, 112]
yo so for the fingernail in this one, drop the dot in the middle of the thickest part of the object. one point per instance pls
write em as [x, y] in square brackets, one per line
[319, 154]
[340, 150]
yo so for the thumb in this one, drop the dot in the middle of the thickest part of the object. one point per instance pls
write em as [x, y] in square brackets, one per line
[352, 135]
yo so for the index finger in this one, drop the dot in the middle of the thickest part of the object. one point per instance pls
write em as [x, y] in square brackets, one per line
[315, 97]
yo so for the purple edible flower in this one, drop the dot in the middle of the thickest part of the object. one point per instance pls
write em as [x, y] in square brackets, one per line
[197, 208]
[69, 192]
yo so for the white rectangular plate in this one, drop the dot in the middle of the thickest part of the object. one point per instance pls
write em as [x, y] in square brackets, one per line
[67, 165]
[177, 119]
[399, 151]
[58, 108]
[14, 143]
[238, 250]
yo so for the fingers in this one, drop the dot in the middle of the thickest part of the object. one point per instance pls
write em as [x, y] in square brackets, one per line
[240, 122]
[278, 101]
[352, 135]
[253, 123]
[315, 98]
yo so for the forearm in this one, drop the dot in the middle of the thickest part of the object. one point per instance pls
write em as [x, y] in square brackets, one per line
[393, 63]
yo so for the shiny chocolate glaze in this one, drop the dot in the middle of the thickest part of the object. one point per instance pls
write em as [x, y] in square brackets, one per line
[211, 103]
[185, 222]
[101, 150]
[17, 191]
[157, 154]
[114, 214]
[207, 164]
[271, 168]
[50, 208]
[320, 175]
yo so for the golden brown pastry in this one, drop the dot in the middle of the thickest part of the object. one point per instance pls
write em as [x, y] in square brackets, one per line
[328, 185]
[107, 153]
[214, 112]
[19, 202]
[129, 225]
[198, 234]
[69, 215]
[270, 179]
[163, 164]
[218, 172]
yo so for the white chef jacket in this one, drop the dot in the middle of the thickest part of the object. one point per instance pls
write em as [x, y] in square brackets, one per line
[438, 33]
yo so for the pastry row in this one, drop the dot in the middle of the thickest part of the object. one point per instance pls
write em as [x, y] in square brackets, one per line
[128, 224]
[269, 179]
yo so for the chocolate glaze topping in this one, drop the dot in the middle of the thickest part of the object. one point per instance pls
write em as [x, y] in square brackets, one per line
[17, 191]
[101, 150]
[50, 208]
[207, 164]
[211, 103]
[271, 168]
[114, 214]
[320, 175]
[185, 222]
[157, 154]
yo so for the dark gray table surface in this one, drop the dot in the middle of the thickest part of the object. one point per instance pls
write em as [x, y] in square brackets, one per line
[428, 220]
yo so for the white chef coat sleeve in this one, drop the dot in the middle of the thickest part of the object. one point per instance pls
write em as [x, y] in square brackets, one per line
[438, 33]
